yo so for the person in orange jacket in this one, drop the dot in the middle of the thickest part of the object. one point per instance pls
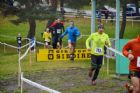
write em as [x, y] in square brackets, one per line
[132, 51]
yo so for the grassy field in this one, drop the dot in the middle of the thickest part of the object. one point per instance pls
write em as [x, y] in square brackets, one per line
[68, 77]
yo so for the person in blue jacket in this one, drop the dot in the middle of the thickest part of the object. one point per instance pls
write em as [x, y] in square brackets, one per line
[73, 33]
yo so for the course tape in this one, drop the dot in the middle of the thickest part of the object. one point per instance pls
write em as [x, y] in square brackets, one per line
[38, 85]
[26, 52]
[9, 45]
[114, 50]
[15, 46]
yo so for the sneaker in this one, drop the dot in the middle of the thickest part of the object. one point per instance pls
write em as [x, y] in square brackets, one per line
[128, 88]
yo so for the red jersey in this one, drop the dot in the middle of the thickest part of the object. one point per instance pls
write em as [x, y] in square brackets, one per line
[133, 47]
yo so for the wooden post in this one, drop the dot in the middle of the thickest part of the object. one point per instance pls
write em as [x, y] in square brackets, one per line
[21, 86]
[107, 65]
[4, 48]
[30, 58]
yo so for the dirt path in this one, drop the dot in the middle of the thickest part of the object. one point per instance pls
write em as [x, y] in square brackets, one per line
[72, 80]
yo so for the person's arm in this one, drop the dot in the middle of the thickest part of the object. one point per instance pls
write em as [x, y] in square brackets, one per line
[126, 49]
[63, 34]
[53, 24]
[63, 29]
[77, 33]
[88, 41]
[50, 35]
[126, 52]
[108, 42]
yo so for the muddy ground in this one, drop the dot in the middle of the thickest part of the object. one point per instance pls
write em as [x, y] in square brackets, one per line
[70, 80]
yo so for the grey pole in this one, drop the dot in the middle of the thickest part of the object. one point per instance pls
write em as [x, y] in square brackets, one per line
[117, 28]
[93, 16]
[117, 19]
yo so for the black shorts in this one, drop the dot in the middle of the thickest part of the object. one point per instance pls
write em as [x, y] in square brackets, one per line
[134, 74]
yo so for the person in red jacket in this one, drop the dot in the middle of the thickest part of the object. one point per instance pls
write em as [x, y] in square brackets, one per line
[132, 51]
[58, 29]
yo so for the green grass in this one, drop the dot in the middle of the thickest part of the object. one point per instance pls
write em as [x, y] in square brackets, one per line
[87, 7]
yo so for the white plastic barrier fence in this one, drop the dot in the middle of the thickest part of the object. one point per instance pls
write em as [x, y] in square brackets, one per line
[39, 43]
[15, 46]
[9, 45]
[23, 38]
[21, 78]
[38, 85]
[108, 57]
[25, 45]
[115, 51]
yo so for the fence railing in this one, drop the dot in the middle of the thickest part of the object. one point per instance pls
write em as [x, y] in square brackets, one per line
[21, 79]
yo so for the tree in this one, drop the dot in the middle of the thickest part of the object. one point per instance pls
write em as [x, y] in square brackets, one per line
[123, 5]
[123, 25]
[61, 3]
[29, 11]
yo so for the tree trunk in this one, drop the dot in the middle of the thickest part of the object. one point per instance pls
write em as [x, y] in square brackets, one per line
[123, 25]
[61, 3]
[32, 27]
[137, 7]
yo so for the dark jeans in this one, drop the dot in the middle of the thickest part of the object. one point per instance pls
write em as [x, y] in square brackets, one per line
[96, 63]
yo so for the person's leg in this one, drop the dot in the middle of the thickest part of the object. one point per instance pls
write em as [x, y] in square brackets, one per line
[136, 84]
[135, 80]
[93, 68]
[128, 85]
[139, 85]
[54, 43]
[60, 43]
[46, 44]
[72, 53]
[99, 64]
[72, 49]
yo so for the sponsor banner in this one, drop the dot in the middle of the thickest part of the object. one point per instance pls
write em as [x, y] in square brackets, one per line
[61, 54]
